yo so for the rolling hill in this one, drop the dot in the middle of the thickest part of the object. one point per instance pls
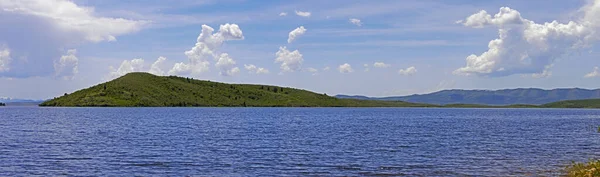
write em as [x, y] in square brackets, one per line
[527, 96]
[147, 90]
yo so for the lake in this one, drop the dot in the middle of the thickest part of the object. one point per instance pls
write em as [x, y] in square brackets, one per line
[294, 141]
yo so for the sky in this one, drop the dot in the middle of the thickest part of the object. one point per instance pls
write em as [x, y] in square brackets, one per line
[354, 47]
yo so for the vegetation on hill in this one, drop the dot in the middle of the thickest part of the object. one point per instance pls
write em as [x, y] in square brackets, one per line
[147, 90]
[2, 104]
[591, 103]
[527, 96]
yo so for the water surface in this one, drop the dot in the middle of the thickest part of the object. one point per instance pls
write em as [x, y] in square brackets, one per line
[294, 141]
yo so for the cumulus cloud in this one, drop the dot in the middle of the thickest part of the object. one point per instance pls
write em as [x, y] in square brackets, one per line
[262, 71]
[345, 68]
[408, 71]
[355, 21]
[4, 59]
[207, 47]
[283, 14]
[326, 68]
[303, 14]
[367, 69]
[526, 47]
[136, 65]
[73, 18]
[290, 60]
[155, 68]
[226, 65]
[594, 73]
[127, 66]
[296, 33]
[37, 30]
[253, 69]
[67, 65]
[381, 65]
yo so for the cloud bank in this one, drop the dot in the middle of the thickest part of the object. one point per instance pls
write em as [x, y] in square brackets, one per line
[39, 30]
[526, 47]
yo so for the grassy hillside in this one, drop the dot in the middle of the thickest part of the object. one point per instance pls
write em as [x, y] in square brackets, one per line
[147, 90]
[591, 103]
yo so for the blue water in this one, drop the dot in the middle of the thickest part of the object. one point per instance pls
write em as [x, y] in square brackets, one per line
[294, 141]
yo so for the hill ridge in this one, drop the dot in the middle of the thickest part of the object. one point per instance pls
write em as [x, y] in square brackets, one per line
[147, 90]
[502, 97]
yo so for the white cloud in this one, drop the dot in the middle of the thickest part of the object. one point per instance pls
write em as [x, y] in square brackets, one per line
[262, 71]
[545, 73]
[303, 14]
[526, 47]
[47, 26]
[253, 69]
[155, 68]
[345, 68]
[207, 47]
[381, 65]
[67, 65]
[70, 17]
[594, 73]
[313, 71]
[326, 68]
[226, 65]
[283, 14]
[366, 67]
[296, 33]
[135, 65]
[408, 71]
[4, 59]
[290, 61]
[355, 21]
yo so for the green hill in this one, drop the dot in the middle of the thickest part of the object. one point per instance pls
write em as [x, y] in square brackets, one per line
[590, 103]
[147, 90]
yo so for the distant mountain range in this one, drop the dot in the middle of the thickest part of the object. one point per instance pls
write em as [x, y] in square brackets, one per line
[19, 102]
[530, 96]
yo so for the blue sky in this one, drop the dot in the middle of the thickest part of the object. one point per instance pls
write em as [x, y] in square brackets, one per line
[51, 47]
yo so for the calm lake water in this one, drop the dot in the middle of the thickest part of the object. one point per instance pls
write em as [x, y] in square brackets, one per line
[294, 141]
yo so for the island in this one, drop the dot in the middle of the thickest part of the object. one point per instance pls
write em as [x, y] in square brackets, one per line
[147, 90]
[2, 104]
